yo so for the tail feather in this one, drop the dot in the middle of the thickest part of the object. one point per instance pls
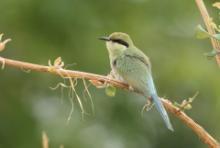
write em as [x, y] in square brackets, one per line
[158, 103]
[162, 111]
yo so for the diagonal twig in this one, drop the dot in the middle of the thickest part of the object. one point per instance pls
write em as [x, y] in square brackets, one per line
[207, 20]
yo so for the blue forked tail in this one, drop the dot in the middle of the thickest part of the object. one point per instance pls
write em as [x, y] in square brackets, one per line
[158, 103]
[162, 111]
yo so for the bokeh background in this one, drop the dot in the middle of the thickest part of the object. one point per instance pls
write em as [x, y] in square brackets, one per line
[47, 29]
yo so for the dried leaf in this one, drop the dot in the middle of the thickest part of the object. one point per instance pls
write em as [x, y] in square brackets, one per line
[188, 107]
[216, 4]
[58, 62]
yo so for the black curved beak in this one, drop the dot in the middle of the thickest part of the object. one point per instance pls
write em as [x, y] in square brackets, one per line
[104, 38]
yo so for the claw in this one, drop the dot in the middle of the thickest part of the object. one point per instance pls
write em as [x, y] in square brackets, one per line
[147, 106]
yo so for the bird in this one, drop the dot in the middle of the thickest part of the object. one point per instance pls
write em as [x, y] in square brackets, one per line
[130, 65]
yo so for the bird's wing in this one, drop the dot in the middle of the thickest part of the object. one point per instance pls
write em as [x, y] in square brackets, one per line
[133, 69]
[139, 55]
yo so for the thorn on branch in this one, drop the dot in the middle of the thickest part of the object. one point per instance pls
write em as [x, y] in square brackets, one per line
[4, 42]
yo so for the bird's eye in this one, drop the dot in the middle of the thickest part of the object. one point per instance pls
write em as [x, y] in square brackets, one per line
[120, 41]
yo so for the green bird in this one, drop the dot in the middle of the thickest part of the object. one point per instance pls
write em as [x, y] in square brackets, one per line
[131, 65]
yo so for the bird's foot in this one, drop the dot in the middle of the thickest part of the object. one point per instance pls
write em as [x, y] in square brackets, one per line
[147, 106]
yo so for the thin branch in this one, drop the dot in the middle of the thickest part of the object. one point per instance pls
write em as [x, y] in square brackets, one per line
[197, 129]
[207, 20]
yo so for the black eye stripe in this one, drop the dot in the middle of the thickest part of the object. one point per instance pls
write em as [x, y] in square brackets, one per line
[119, 41]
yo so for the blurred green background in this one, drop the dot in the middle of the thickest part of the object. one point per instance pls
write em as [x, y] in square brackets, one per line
[46, 29]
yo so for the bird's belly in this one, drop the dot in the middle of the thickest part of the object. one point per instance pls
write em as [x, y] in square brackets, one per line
[139, 86]
[134, 72]
[136, 79]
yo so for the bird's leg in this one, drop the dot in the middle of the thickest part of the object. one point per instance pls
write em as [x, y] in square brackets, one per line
[148, 105]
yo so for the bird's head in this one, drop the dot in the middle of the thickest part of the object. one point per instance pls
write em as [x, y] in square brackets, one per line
[117, 41]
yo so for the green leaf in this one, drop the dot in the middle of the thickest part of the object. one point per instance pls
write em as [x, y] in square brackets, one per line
[201, 33]
[216, 36]
[211, 54]
[110, 91]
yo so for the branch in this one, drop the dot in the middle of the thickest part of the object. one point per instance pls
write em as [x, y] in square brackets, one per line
[207, 20]
[197, 129]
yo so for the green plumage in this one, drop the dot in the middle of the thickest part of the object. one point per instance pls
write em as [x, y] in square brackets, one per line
[133, 69]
